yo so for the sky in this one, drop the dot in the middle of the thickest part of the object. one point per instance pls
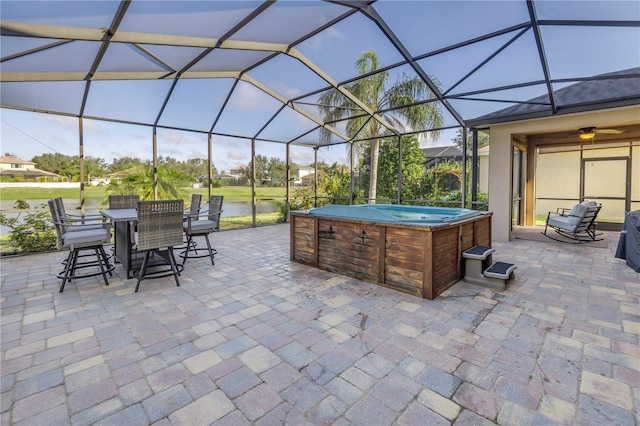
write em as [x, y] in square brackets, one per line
[422, 26]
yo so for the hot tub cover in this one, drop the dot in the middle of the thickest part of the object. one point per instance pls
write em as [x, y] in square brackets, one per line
[393, 213]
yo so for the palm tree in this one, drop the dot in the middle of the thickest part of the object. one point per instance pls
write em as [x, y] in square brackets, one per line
[139, 180]
[373, 91]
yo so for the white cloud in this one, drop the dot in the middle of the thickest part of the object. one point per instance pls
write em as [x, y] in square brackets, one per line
[237, 155]
[247, 97]
[302, 157]
[326, 38]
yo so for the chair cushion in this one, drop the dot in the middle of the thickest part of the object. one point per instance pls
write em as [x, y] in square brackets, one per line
[87, 236]
[578, 215]
[561, 222]
[201, 226]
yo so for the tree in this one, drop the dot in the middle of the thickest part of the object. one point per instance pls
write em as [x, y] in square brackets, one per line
[169, 162]
[140, 181]
[335, 182]
[483, 139]
[277, 170]
[413, 169]
[56, 163]
[267, 170]
[69, 165]
[94, 166]
[124, 163]
[197, 167]
[374, 91]
[261, 172]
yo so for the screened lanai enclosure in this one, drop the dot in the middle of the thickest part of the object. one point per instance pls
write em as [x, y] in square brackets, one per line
[347, 92]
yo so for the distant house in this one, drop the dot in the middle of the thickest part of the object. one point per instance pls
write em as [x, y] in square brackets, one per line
[237, 175]
[19, 169]
[439, 154]
[298, 173]
[98, 181]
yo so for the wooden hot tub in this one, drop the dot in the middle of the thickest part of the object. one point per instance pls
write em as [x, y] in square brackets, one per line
[417, 250]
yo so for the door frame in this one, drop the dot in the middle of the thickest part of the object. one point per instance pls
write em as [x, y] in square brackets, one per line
[518, 183]
[627, 194]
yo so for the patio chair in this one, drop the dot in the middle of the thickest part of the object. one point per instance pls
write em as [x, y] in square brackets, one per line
[78, 238]
[577, 224]
[194, 207]
[88, 220]
[159, 230]
[196, 227]
[71, 222]
[193, 211]
[123, 201]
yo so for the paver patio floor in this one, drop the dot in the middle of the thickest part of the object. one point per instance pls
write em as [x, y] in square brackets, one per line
[258, 339]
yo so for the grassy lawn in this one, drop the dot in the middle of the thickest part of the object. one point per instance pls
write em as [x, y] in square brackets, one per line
[34, 193]
[243, 193]
[230, 193]
[237, 222]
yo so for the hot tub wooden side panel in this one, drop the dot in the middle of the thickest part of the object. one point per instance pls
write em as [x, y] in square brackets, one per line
[482, 232]
[303, 239]
[404, 259]
[347, 250]
[448, 245]
[445, 258]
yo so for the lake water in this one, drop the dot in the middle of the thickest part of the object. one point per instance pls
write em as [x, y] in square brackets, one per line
[92, 205]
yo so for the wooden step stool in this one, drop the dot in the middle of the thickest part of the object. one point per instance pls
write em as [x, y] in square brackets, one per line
[481, 270]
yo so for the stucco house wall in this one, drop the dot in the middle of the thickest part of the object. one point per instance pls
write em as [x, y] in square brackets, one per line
[500, 185]
[483, 169]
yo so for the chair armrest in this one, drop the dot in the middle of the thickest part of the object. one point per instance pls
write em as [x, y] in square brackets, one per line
[74, 218]
[560, 214]
[191, 216]
[562, 210]
[556, 214]
[553, 214]
[205, 214]
[188, 211]
[82, 226]
[83, 215]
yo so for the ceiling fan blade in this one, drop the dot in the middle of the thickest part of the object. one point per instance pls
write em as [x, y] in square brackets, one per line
[608, 131]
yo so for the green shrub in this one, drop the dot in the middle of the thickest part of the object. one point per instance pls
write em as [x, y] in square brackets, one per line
[302, 198]
[31, 234]
[483, 199]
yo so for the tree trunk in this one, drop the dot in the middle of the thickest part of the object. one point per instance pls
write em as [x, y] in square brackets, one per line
[373, 177]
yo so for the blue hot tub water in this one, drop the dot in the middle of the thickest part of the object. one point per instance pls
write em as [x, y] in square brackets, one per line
[393, 213]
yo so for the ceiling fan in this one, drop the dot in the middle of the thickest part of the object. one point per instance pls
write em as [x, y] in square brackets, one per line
[587, 133]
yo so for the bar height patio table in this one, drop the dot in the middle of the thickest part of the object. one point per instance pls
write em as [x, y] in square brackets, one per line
[122, 220]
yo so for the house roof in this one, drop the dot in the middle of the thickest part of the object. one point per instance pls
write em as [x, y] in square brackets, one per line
[436, 154]
[449, 151]
[615, 89]
[10, 159]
